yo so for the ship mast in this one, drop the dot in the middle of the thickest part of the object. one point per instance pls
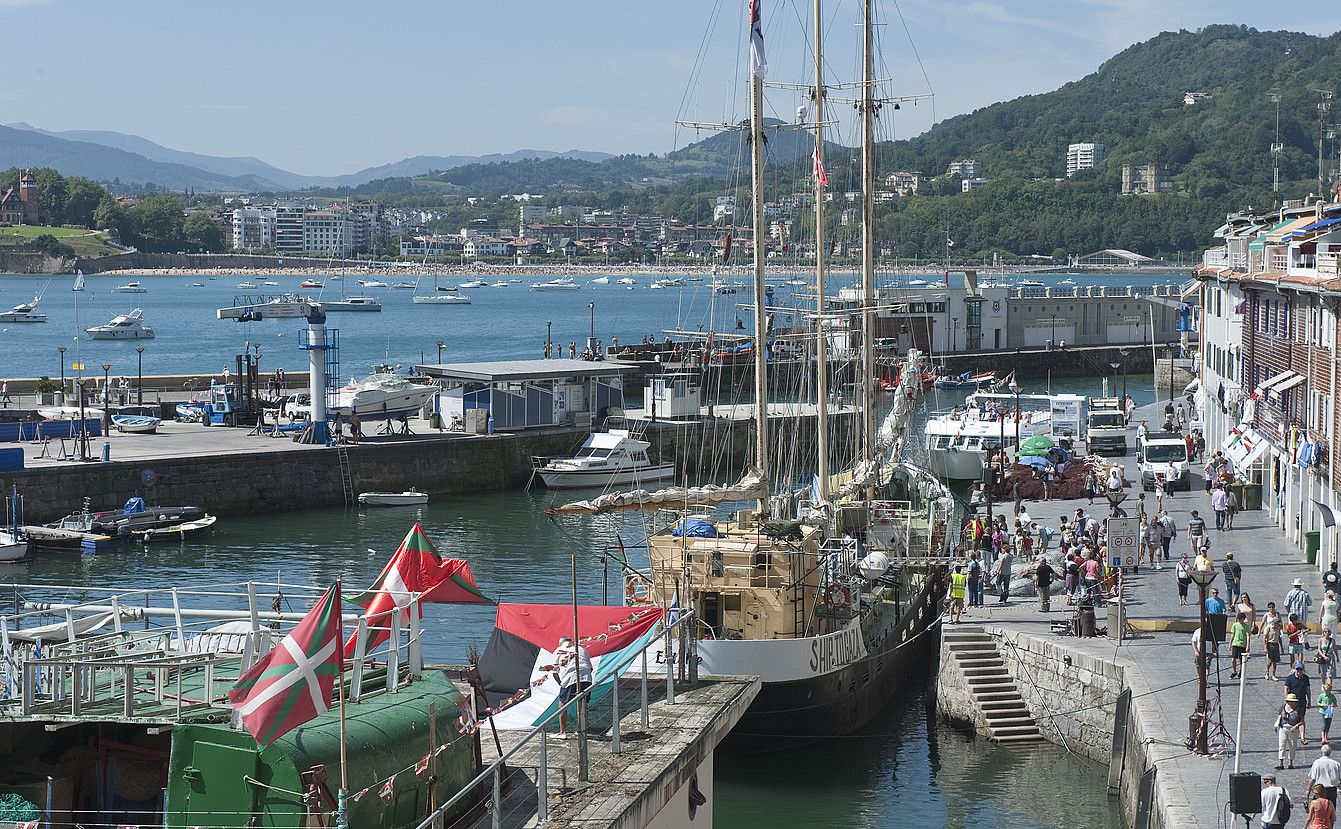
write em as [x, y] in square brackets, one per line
[868, 231]
[760, 234]
[821, 347]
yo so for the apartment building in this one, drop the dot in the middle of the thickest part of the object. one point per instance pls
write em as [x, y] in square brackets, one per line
[328, 232]
[253, 228]
[1083, 157]
[966, 168]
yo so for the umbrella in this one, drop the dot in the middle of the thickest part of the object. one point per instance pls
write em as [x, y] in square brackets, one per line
[1036, 462]
[1037, 445]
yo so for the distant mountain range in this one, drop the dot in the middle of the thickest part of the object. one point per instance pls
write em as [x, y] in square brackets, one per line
[104, 156]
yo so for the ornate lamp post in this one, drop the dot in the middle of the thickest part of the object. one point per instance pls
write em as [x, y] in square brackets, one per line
[61, 349]
[106, 400]
[440, 345]
[1124, 352]
[1203, 578]
[139, 375]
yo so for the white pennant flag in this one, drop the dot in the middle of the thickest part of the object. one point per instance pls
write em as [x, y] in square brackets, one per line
[758, 63]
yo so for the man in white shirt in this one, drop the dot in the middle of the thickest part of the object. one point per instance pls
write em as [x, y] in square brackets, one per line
[573, 671]
[1272, 796]
[1325, 772]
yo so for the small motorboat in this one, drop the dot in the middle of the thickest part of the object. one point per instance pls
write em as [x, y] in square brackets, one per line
[353, 303]
[409, 498]
[134, 517]
[136, 424]
[563, 283]
[475, 283]
[441, 299]
[270, 283]
[1029, 283]
[195, 284]
[176, 531]
[123, 327]
[131, 288]
[372, 283]
[626, 280]
[311, 283]
[611, 458]
[601, 280]
[13, 547]
[404, 286]
[246, 285]
[967, 380]
[501, 284]
[24, 312]
[668, 282]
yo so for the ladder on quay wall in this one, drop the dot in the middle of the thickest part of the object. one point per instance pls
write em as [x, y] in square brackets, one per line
[991, 685]
[346, 473]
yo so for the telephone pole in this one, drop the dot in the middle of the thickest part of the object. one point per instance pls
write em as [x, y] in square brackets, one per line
[1276, 146]
[1324, 110]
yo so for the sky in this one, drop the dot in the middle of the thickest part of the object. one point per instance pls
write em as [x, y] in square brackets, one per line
[331, 87]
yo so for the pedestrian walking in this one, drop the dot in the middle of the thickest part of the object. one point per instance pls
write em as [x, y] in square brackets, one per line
[1297, 685]
[1231, 507]
[1325, 656]
[1247, 608]
[1325, 774]
[1298, 601]
[1233, 577]
[1043, 577]
[1326, 707]
[958, 593]
[1321, 812]
[1183, 573]
[1239, 634]
[1271, 640]
[1219, 505]
[1091, 486]
[1196, 531]
[1001, 570]
[1170, 528]
[1328, 613]
[1289, 725]
[1331, 580]
[1275, 803]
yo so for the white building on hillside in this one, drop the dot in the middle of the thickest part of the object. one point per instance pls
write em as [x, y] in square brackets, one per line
[1083, 157]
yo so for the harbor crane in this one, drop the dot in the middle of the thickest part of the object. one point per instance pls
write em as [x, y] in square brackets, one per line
[318, 345]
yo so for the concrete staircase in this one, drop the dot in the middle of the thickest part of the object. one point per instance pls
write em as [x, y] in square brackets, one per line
[993, 689]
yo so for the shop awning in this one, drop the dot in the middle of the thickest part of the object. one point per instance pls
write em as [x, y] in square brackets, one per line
[1243, 446]
[1282, 388]
[1280, 231]
[1275, 380]
[1312, 228]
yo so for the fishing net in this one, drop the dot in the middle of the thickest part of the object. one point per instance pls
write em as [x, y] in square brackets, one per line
[15, 808]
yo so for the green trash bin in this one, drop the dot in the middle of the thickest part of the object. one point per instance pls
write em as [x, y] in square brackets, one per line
[435, 421]
[1251, 497]
[1312, 542]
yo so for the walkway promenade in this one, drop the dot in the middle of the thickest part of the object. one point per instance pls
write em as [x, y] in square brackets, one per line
[1160, 666]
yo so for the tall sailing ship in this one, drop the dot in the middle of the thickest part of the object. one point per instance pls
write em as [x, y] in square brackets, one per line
[828, 595]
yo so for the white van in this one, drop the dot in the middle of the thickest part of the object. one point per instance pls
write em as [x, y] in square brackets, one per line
[1163, 453]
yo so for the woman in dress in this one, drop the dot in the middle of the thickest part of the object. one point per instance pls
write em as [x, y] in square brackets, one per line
[1183, 573]
[1331, 609]
[1321, 812]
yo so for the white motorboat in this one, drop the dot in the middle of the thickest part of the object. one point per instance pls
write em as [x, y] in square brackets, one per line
[501, 284]
[1029, 283]
[131, 288]
[668, 282]
[960, 441]
[69, 413]
[270, 283]
[475, 283]
[409, 498]
[311, 283]
[627, 280]
[441, 299]
[246, 285]
[372, 283]
[563, 283]
[611, 458]
[381, 397]
[353, 303]
[195, 284]
[123, 327]
[13, 548]
[136, 424]
[404, 286]
[24, 312]
[601, 280]
[176, 531]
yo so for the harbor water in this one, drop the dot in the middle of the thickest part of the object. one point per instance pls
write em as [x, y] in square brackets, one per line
[500, 323]
[908, 770]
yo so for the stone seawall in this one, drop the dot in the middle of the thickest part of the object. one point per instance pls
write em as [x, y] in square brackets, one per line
[1076, 698]
[12, 261]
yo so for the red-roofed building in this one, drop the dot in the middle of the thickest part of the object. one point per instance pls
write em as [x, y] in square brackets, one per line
[18, 205]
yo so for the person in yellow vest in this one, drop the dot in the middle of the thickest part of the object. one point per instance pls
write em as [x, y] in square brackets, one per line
[958, 589]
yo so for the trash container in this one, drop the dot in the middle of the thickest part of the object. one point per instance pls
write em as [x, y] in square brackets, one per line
[1312, 542]
[435, 421]
[1251, 497]
[1086, 621]
[1237, 488]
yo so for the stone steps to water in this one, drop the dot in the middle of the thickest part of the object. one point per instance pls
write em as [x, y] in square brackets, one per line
[993, 688]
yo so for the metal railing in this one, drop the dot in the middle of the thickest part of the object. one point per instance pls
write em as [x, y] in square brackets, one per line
[496, 774]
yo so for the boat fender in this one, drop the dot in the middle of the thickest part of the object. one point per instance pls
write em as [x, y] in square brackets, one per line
[637, 590]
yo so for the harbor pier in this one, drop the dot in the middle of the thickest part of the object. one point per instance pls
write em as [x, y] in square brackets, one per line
[1125, 700]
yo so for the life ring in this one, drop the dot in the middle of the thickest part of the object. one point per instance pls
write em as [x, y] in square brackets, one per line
[637, 590]
[839, 596]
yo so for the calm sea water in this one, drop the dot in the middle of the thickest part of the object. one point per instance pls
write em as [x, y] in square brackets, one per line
[908, 771]
[501, 323]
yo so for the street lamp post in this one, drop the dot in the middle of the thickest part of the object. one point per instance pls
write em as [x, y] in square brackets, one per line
[1015, 390]
[440, 345]
[1171, 353]
[83, 424]
[549, 340]
[1203, 578]
[1115, 366]
[61, 349]
[106, 400]
[139, 375]
[1124, 352]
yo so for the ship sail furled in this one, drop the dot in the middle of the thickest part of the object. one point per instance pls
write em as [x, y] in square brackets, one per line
[751, 487]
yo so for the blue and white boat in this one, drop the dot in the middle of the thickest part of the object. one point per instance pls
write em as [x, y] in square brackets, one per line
[137, 424]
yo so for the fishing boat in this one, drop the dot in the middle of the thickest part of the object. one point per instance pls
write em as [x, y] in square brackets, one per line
[381, 396]
[408, 498]
[136, 424]
[828, 595]
[131, 288]
[129, 326]
[311, 283]
[13, 547]
[563, 283]
[475, 283]
[135, 515]
[353, 303]
[611, 458]
[24, 312]
[965, 380]
[176, 532]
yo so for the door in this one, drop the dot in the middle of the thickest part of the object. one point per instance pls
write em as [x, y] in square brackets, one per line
[216, 794]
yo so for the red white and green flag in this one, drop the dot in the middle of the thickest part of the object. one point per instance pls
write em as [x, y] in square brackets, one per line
[293, 683]
[415, 568]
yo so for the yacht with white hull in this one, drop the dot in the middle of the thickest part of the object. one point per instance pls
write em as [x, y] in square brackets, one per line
[123, 327]
[381, 397]
[610, 458]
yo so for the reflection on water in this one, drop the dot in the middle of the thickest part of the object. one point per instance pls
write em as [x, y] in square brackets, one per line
[913, 770]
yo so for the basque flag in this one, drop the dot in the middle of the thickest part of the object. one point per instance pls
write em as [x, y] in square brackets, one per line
[758, 63]
[517, 666]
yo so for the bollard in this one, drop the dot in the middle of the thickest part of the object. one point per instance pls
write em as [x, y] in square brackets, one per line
[106, 451]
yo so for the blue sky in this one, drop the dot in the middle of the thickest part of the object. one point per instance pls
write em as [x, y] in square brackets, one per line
[330, 87]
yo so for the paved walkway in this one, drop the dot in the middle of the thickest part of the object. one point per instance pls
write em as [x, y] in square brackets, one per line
[1160, 666]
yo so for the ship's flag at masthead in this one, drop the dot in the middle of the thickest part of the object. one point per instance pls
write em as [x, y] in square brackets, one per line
[758, 64]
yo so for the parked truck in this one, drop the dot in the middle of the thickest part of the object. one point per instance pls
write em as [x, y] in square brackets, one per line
[1106, 427]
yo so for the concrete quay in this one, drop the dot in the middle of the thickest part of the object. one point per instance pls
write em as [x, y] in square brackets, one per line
[1072, 687]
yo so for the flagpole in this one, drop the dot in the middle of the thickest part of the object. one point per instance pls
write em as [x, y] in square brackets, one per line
[342, 806]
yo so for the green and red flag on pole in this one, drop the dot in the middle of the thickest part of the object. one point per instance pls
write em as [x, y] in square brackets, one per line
[293, 683]
[416, 568]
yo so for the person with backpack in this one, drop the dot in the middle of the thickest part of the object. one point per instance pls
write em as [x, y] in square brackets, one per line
[1276, 804]
[1043, 577]
[1170, 528]
[975, 591]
